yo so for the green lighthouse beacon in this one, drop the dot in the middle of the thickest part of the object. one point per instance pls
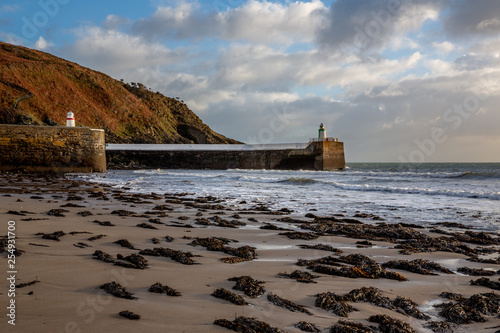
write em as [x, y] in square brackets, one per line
[321, 133]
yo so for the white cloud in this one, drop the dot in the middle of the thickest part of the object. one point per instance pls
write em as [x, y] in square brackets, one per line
[117, 52]
[254, 21]
[114, 22]
[262, 21]
[42, 44]
[443, 47]
[493, 23]
[375, 25]
[439, 67]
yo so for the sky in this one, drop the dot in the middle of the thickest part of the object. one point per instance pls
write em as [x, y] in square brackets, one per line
[395, 80]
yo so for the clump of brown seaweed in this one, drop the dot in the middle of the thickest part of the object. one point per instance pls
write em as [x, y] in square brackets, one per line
[343, 326]
[27, 284]
[300, 235]
[220, 244]
[247, 325]
[370, 295]
[103, 256]
[117, 290]
[300, 276]
[161, 289]
[485, 282]
[338, 303]
[147, 226]
[248, 285]
[335, 303]
[324, 247]
[390, 325]
[125, 243]
[58, 212]
[52, 236]
[132, 261]
[360, 267]
[409, 307]
[177, 255]
[122, 212]
[474, 308]
[135, 261]
[419, 266]
[104, 223]
[452, 296]
[284, 303]
[229, 296]
[476, 271]
[439, 327]
[96, 237]
[129, 315]
[305, 326]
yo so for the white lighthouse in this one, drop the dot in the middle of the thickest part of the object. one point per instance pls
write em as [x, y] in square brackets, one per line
[70, 119]
[321, 133]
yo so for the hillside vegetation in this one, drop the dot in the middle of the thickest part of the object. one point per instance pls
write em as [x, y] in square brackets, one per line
[129, 113]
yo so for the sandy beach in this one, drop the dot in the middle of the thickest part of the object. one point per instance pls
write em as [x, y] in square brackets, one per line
[69, 268]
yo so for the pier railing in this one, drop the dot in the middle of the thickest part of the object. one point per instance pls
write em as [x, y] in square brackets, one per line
[326, 139]
[204, 147]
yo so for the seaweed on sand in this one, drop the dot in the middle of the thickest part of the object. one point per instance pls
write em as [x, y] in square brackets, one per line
[161, 289]
[360, 266]
[284, 303]
[177, 255]
[220, 244]
[300, 276]
[324, 247]
[129, 315]
[52, 236]
[419, 266]
[125, 243]
[391, 325]
[117, 290]
[229, 296]
[248, 285]
[476, 271]
[300, 235]
[343, 326]
[305, 326]
[485, 282]
[333, 302]
[247, 325]
[133, 261]
[474, 308]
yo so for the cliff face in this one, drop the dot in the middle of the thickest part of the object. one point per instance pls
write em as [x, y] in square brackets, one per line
[51, 87]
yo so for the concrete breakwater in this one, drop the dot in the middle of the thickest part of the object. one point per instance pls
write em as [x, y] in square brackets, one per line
[51, 148]
[81, 149]
[317, 155]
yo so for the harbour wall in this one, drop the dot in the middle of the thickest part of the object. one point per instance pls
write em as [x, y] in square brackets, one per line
[321, 155]
[51, 148]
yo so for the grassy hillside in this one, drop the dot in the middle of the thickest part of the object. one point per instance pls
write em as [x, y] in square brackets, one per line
[128, 113]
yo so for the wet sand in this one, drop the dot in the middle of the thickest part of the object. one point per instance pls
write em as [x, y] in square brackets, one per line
[67, 297]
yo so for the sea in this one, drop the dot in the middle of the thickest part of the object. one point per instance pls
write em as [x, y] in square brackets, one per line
[424, 194]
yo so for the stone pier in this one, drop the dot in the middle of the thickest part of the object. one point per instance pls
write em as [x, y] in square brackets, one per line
[51, 148]
[319, 155]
